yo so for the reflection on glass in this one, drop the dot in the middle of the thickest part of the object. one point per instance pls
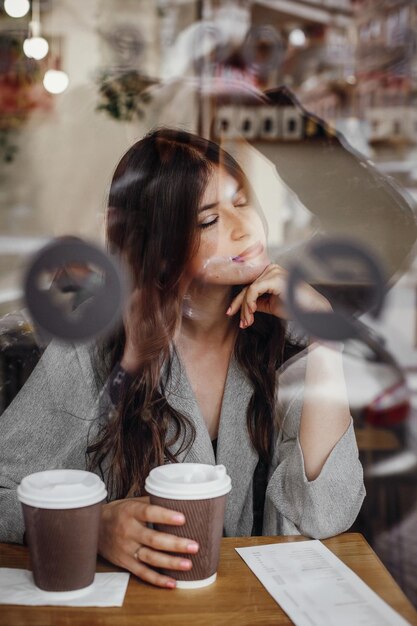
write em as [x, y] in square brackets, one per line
[317, 107]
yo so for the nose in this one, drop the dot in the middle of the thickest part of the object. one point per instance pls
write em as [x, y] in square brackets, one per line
[238, 227]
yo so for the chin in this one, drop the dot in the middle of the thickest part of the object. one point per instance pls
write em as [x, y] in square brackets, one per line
[250, 274]
[230, 273]
[245, 273]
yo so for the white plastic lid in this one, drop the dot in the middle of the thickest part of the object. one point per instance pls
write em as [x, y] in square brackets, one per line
[61, 489]
[188, 481]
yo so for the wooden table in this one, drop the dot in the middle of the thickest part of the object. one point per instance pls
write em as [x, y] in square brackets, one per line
[236, 598]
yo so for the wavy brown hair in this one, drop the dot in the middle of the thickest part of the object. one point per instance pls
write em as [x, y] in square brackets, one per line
[152, 223]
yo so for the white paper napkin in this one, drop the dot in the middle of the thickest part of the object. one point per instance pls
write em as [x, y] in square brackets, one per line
[17, 587]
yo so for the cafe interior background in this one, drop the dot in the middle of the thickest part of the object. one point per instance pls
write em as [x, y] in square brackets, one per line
[332, 150]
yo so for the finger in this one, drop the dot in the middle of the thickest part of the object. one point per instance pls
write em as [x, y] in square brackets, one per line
[154, 514]
[236, 303]
[279, 309]
[147, 574]
[165, 541]
[247, 309]
[250, 304]
[274, 284]
[246, 315]
[272, 281]
[238, 300]
[163, 560]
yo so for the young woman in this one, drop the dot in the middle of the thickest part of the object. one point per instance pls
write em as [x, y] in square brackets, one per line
[194, 373]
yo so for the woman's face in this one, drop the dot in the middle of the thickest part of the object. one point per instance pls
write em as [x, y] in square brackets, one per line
[232, 249]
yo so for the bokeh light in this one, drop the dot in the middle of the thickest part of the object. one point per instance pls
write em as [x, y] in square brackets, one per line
[16, 8]
[55, 81]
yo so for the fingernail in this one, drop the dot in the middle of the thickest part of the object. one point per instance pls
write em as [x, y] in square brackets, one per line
[192, 547]
[171, 584]
[229, 310]
[242, 324]
[178, 518]
[186, 564]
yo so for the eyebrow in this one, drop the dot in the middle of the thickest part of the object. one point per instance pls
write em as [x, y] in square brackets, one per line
[206, 207]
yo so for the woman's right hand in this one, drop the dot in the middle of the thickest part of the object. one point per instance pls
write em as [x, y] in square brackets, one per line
[126, 541]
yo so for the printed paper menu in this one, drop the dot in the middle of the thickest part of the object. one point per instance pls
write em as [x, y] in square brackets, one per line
[315, 588]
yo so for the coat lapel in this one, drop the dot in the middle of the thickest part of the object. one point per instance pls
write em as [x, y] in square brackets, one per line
[180, 396]
[234, 447]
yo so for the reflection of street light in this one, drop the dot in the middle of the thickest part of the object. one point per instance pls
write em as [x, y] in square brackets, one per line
[297, 38]
[55, 81]
[35, 46]
[16, 8]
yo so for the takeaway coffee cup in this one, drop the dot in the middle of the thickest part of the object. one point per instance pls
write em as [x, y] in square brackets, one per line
[61, 510]
[199, 492]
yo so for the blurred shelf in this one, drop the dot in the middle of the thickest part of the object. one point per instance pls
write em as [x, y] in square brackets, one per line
[376, 440]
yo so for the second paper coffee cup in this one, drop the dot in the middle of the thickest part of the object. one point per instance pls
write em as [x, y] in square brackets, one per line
[62, 511]
[198, 491]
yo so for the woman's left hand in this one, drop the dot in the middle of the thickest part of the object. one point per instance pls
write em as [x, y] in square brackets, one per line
[267, 295]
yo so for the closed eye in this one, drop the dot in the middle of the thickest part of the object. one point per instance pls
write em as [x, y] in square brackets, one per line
[210, 222]
[240, 200]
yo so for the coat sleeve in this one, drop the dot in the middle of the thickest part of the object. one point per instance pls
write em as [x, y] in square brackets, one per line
[47, 426]
[322, 507]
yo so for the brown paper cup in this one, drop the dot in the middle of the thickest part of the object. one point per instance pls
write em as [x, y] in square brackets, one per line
[62, 512]
[199, 491]
[62, 546]
[204, 521]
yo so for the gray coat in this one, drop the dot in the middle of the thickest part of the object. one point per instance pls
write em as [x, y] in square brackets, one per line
[60, 407]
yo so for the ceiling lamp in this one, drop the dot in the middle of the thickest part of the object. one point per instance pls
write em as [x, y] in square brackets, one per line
[55, 81]
[297, 38]
[35, 46]
[16, 8]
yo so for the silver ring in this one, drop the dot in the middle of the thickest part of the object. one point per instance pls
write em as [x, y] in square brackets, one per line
[136, 552]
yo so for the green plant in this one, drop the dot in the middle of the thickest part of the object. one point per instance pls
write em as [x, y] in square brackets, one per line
[123, 95]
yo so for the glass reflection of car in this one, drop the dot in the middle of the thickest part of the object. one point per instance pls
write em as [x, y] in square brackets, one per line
[377, 387]
[376, 384]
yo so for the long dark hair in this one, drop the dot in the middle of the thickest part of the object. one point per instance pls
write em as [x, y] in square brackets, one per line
[152, 223]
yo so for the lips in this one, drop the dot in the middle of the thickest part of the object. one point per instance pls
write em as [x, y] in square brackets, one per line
[250, 253]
